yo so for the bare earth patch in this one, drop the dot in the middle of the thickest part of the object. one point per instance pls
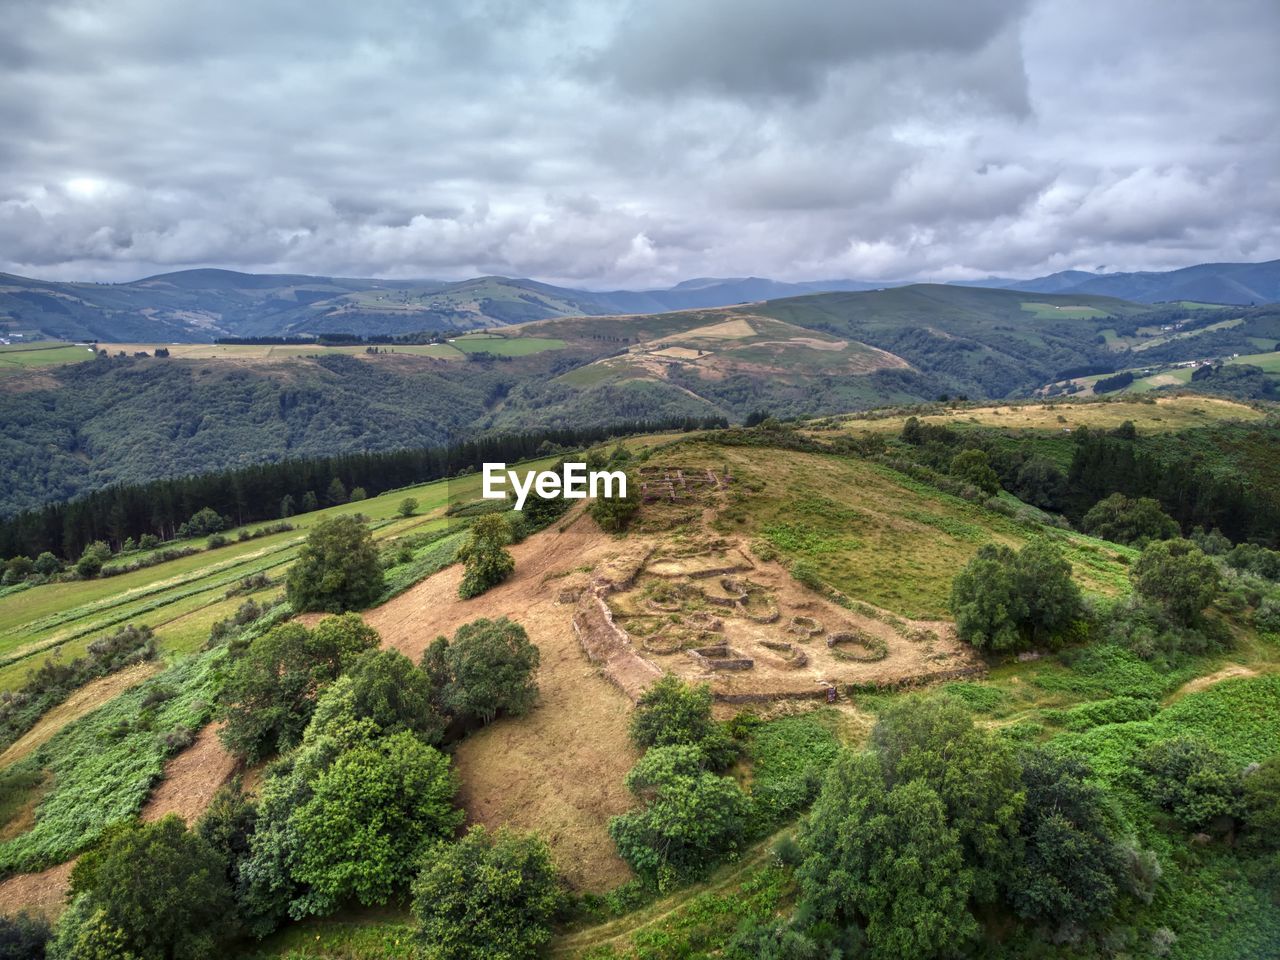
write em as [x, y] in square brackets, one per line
[42, 893]
[559, 770]
[84, 701]
[192, 778]
[1208, 680]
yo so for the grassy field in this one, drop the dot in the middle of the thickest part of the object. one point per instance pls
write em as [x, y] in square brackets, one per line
[1166, 414]
[17, 357]
[507, 346]
[1047, 311]
[241, 351]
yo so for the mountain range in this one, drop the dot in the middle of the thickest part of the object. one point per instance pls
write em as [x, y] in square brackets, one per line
[206, 304]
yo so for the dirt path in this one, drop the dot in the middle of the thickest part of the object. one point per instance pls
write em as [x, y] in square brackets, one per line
[192, 778]
[1208, 680]
[84, 701]
[560, 769]
[42, 893]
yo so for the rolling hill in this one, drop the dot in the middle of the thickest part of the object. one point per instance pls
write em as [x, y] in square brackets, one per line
[1217, 283]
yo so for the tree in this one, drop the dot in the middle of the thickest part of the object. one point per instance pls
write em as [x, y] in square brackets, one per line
[1042, 574]
[974, 773]
[336, 493]
[487, 897]
[1135, 522]
[47, 564]
[672, 712]
[271, 689]
[23, 937]
[287, 507]
[163, 888]
[227, 825]
[337, 568]
[371, 816]
[408, 507]
[1191, 780]
[1261, 802]
[202, 523]
[973, 466]
[310, 502]
[487, 669]
[986, 602]
[383, 687]
[690, 819]
[880, 853]
[1073, 863]
[91, 561]
[614, 514]
[1039, 482]
[1178, 576]
[485, 557]
[18, 569]
[1005, 601]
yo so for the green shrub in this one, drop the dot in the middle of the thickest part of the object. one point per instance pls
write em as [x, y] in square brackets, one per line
[337, 568]
[691, 817]
[485, 558]
[486, 897]
[674, 713]
[487, 669]
[163, 888]
[1177, 575]
[1005, 601]
[1191, 780]
[1134, 522]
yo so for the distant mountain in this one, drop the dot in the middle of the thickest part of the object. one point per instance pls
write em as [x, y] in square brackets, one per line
[1227, 283]
[202, 305]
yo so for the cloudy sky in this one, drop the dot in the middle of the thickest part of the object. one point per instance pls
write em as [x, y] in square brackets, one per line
[613, 144]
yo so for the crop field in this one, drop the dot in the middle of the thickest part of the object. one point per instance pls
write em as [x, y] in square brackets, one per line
[15, 358]
[1048, 311]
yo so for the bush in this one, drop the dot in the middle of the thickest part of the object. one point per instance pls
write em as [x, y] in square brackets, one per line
[179, 905]
[691, 817]
[1191, 780]
[1073, 865]
[202, 523]
[974, 467]
[371, 815]
[879, 853]
[1122, 520]
[408, 507]
[271, 690]
[1005, 602]
[485, 558]
[387, 690]
[1261, 802]
[47, 564]
[486, 897]
[23, 937]
[91, 560]
[674, 713]
[614, 514]
[337, 568]
[1178, 576]
[486, 670]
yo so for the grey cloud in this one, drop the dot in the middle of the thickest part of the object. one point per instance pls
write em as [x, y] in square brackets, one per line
[609, 144]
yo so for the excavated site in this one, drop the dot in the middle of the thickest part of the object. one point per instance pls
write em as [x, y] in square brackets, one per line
[700, 605]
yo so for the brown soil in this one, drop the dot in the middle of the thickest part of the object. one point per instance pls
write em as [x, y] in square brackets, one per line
[192, 778]
[560, 769]
[42, 893]
[84, 701]
[1203, 683]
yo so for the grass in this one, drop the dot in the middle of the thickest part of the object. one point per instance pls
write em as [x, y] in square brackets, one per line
[507, 346]
[1166, 414]
[1049, 311]
[15, 358]
[104, 765]
[278, 351]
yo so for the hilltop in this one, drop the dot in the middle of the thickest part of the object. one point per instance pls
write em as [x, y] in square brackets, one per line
[202, 305]
[774, 563]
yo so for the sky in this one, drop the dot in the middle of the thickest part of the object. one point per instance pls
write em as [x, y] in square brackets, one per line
[606, 144]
